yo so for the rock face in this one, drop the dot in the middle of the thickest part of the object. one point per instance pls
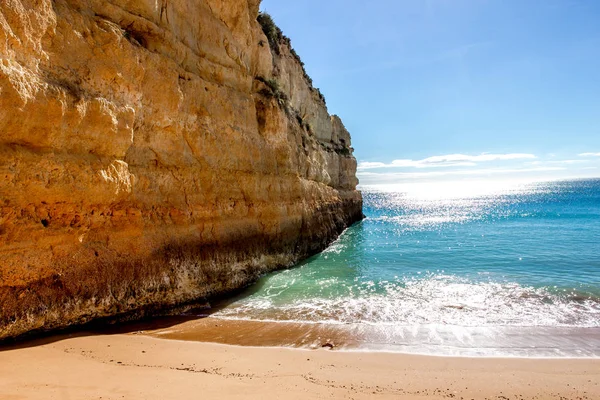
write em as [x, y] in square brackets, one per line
[154, 152]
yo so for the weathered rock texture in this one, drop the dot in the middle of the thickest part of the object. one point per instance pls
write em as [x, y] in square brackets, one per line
[153, 152]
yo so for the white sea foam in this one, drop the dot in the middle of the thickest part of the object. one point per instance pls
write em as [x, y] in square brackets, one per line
[438, 299]
[515, 269]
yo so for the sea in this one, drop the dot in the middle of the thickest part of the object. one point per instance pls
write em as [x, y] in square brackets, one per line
[451, 269]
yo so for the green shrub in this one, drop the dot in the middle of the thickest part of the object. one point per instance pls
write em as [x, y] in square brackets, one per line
[275, 36]
[344, 151]
[272, 31]
[273, 90]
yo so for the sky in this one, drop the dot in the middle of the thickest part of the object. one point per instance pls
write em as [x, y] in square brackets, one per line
[456, 89]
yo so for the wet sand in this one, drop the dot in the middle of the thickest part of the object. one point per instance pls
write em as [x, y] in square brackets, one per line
[444, 340]
[140, 365]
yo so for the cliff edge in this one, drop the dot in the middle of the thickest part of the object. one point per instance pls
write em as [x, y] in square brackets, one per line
[153, 153]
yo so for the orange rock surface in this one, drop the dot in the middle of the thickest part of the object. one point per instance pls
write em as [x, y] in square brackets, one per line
[155, 152]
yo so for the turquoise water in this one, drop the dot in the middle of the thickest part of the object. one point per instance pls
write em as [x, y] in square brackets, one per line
[466, 255]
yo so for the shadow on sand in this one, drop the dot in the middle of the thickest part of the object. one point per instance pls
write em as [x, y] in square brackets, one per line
[156, 320]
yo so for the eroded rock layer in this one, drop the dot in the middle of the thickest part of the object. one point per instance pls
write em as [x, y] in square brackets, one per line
[154, 152]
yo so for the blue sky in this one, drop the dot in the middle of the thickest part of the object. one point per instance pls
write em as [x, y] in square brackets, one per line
[452, 89]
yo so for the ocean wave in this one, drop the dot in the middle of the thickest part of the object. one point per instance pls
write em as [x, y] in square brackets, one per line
[505, 258]
[438, 299]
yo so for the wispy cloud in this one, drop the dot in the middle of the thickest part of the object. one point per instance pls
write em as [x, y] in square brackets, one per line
[589, 155]
[368, 178]
[449, 160]
[558, 162]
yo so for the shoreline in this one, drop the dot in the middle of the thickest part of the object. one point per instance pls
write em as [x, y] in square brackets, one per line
[200, 328]
[427, 340]
[139, 366]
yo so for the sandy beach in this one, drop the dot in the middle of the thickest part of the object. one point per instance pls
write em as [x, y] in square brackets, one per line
[136, 365]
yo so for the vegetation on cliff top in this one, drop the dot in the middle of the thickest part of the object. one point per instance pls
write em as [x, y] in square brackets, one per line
[272, 31]
[276, 37]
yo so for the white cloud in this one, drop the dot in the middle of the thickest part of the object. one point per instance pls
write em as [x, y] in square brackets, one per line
[483, 171]
[480, 158]
[449, 160]
[374, 178]
[589, 155]
[558, 162]
[370, 165]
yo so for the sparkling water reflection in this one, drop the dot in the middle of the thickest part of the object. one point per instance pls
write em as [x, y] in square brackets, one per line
[520, 256]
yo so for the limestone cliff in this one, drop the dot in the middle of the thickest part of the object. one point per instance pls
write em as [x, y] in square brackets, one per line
[154, 152]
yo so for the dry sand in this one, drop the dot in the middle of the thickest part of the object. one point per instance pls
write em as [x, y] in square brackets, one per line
[138, 366]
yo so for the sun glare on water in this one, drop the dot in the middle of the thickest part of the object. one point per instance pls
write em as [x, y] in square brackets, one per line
[454, 189]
